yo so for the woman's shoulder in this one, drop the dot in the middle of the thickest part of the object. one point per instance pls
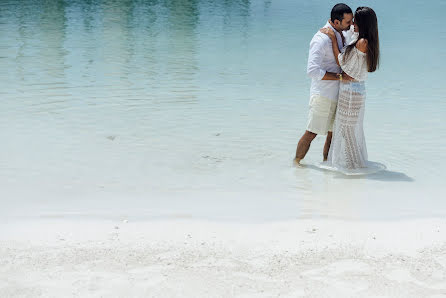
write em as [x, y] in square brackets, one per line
[361, 45]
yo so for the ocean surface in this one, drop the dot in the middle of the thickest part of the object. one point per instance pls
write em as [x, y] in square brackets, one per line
[192, 109]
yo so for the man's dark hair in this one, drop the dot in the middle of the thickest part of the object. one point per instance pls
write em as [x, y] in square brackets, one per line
[337, 12]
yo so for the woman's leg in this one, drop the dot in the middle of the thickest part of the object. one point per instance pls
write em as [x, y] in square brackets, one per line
[350, 108]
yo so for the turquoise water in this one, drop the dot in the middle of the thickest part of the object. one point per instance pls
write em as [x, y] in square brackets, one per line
[150, 109]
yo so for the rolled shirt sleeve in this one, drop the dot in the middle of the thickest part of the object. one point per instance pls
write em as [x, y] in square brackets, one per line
[317, 51]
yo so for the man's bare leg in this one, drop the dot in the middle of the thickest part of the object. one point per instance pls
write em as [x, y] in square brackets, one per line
[327, 145]
[304, 145]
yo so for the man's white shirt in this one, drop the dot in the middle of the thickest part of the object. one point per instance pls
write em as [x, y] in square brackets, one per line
[322, 60]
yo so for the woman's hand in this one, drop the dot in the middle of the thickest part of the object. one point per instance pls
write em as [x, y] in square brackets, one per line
[334, 43]
[347, 78]
[329, 32]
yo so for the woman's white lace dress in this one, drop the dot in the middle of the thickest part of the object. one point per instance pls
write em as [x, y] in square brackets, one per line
[348, 151]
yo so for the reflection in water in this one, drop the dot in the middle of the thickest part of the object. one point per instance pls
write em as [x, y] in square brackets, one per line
[51, 35]
[181, 64]
[116, 42]
[125, 46]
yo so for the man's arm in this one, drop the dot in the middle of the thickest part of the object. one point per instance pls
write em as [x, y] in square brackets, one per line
[331, 76]
[314, 68]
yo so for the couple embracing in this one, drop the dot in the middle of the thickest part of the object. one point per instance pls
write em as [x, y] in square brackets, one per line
[338, 63]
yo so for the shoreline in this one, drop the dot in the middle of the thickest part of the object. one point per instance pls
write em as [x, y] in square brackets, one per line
[196, 258]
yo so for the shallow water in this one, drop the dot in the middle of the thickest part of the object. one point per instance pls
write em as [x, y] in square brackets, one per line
[154, 109]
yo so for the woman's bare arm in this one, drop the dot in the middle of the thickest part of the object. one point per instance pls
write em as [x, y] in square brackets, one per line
[362, 45]
[334, 42]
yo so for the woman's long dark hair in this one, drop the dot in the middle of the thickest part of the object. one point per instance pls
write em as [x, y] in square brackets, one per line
[365, 19]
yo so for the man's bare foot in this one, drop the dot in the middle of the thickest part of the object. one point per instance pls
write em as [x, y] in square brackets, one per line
[296, 161]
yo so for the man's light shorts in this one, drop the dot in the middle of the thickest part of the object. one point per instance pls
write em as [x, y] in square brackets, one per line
[322, 115]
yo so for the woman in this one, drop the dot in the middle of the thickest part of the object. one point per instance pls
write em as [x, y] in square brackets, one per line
[348, 152]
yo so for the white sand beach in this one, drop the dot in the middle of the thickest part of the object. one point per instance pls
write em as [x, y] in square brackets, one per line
[189, 258]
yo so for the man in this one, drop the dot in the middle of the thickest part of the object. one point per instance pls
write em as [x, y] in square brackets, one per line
[325, 76]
